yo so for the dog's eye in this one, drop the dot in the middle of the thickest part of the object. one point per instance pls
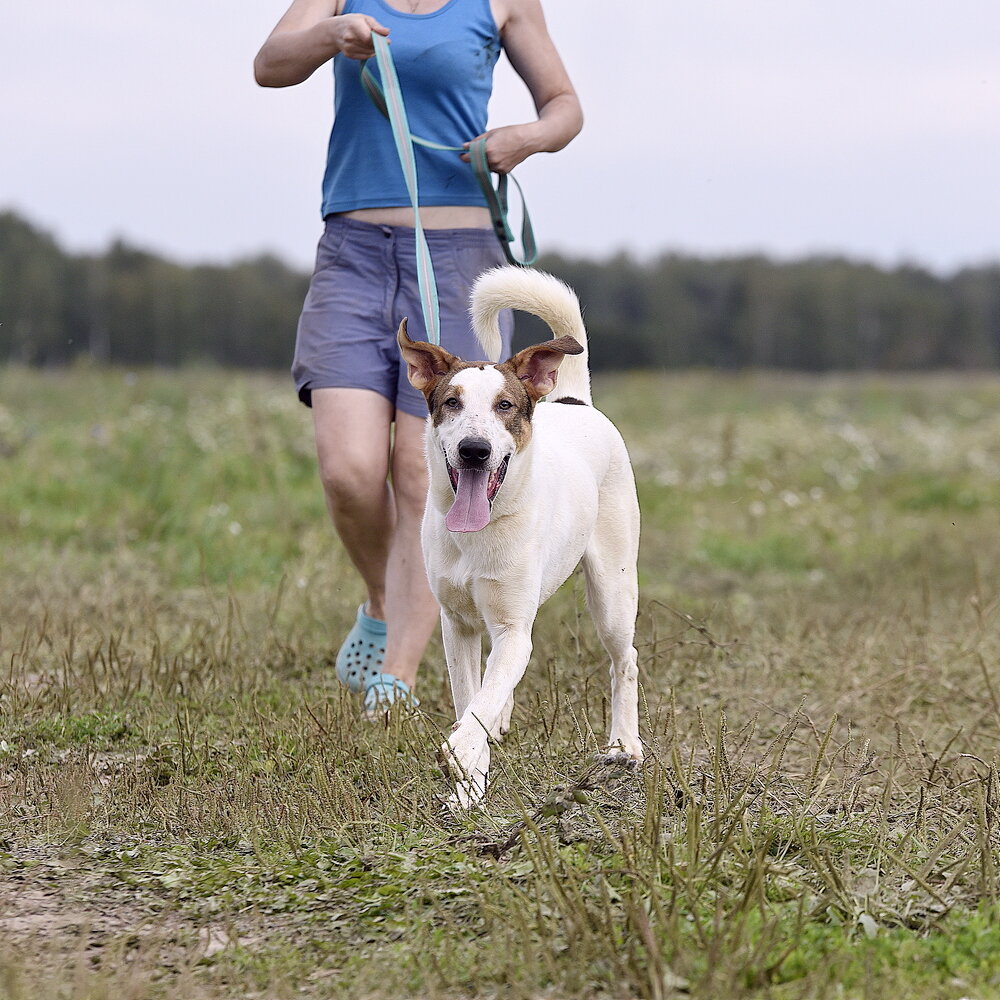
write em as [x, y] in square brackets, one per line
[505, 404]
[451, 402]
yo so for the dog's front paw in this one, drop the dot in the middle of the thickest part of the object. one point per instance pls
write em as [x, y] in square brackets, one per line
[468, 793]
[468, 768]
[466, 747]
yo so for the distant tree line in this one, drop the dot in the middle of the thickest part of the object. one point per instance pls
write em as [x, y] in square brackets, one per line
[128, 306]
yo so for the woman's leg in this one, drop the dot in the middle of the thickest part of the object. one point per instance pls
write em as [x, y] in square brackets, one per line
[379, 524]
[353, 430]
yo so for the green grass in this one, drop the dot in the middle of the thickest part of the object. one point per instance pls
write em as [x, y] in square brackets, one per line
[191, 807]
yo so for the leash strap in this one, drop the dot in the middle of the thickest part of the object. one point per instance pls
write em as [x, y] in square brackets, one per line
[396, 113]
[496, 197]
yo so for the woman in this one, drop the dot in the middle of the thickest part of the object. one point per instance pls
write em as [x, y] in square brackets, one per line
[369, 422]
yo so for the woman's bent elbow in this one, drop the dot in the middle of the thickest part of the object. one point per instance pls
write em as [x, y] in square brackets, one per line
[269, 71]
[264, 74]
[260, 73]
[576, 127]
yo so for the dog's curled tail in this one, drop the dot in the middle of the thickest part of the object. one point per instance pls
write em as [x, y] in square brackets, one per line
[544, 296]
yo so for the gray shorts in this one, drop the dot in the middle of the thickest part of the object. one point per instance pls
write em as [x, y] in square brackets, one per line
[364, 283]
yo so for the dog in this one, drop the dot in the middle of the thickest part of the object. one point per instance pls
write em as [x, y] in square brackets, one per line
[519, 494]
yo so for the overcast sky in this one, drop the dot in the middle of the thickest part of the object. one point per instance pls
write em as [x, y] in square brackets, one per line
[864, 127]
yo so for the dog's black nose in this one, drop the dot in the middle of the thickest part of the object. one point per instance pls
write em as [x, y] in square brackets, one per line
[474, 451]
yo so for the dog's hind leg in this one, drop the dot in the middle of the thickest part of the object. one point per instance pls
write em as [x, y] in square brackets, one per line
[609, 566]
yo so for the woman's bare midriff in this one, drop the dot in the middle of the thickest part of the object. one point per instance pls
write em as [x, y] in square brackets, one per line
[431, 216]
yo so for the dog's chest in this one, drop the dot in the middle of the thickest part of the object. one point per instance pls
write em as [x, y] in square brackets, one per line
[477, 582]
[458, 599]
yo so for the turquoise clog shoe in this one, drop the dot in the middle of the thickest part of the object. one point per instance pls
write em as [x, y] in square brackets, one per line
[360, 658]
[385, 690]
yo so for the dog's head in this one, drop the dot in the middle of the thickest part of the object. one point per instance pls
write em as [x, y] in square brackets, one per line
[481, 415]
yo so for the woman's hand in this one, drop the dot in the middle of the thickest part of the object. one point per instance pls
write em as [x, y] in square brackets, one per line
[351, 34]
[508, 146]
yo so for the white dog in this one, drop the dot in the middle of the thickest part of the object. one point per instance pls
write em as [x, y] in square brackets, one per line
[520, 494]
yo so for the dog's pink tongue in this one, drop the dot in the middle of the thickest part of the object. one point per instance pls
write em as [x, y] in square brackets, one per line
[471, 509]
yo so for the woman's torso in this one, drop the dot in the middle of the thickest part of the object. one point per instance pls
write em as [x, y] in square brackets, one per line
[481, 21]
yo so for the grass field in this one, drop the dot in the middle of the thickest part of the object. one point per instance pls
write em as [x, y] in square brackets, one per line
[191, 808]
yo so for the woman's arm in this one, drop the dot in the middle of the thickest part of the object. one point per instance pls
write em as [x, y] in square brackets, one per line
[310, 34]
[534, 57]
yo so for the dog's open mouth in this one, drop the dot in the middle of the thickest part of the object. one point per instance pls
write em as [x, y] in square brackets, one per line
[475, 491]
[493, 484]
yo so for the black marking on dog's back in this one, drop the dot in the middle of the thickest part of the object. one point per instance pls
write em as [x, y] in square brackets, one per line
[571, 400]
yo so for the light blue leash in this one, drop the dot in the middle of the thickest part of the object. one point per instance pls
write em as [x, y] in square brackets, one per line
[396, 112]
[388, 98]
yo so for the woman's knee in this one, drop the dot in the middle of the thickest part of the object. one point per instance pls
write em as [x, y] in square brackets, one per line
[351, 482]
[352, 444]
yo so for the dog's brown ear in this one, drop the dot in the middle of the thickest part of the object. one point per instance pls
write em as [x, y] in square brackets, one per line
[538, 366]
[425, 363]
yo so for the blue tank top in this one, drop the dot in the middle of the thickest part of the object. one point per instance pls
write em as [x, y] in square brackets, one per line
[445, 62]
